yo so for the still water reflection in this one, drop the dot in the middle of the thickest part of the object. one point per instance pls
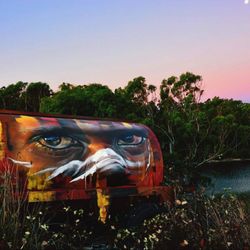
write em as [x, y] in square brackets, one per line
[235, 178]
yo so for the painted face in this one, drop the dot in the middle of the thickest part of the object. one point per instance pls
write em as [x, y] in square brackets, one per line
[56, 148]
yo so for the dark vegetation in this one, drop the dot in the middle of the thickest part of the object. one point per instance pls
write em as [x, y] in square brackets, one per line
[191, 133]
[194, 222]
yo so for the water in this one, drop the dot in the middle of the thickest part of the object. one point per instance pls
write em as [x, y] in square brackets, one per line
[235, 178]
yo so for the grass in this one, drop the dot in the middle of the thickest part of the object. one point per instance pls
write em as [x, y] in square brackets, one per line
[195, 221]
[21, 226]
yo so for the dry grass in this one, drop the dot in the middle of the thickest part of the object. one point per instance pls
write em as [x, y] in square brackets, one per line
[195, 221]
[21, 227]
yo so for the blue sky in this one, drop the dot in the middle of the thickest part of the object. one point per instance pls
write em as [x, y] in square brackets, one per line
[113, 41]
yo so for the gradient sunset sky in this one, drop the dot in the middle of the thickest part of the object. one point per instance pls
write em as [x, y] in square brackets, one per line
[114, 41]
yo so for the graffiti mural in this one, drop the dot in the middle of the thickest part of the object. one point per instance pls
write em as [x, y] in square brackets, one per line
[61, 154]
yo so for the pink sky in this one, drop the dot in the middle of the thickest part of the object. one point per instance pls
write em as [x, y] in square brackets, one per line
[114, 41]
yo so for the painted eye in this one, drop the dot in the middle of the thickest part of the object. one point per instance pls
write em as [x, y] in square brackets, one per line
[129, 140]
[57, 142]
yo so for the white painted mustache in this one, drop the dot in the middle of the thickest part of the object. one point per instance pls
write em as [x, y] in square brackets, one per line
[26, 164]
[104, 161]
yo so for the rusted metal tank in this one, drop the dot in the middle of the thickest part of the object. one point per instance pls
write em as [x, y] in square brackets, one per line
[56, 157]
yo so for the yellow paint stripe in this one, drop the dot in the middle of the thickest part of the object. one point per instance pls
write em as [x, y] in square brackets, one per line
[27, 121]
[38, 196]
[127, 125]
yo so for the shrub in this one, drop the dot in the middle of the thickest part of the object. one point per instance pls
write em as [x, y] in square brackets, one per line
[194, 222]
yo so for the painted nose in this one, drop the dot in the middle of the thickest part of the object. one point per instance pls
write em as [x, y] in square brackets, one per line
[96, 146]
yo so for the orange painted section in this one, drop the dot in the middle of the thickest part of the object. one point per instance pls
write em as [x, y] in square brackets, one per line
[66, 158]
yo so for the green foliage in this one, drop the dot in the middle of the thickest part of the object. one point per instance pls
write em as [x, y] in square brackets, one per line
[11, 97]
[88, 100]
[24, 96]
[136, 90]
[190, 132]
[34, 93]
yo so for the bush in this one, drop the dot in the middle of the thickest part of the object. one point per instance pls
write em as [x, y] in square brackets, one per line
[194, 222]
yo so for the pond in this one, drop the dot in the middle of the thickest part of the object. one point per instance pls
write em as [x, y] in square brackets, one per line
[235, 177]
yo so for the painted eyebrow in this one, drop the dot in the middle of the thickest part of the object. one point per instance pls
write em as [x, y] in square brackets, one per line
[120, 132]
[58, 131]
[78, 134]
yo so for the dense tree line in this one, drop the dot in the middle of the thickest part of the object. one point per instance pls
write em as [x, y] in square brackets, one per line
[191, 132]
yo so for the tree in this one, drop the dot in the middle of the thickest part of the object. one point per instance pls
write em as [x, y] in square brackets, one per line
[179, 99]
[136, 90]
[192, 133]
[88, 100]
[11, 97]
[35, 91]
[133, 101]
[229, 130]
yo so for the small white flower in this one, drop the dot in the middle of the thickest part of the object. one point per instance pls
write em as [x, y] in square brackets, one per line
[66, 209]
[45, 227]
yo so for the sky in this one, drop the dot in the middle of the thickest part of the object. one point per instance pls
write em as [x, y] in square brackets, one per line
[114, 41]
